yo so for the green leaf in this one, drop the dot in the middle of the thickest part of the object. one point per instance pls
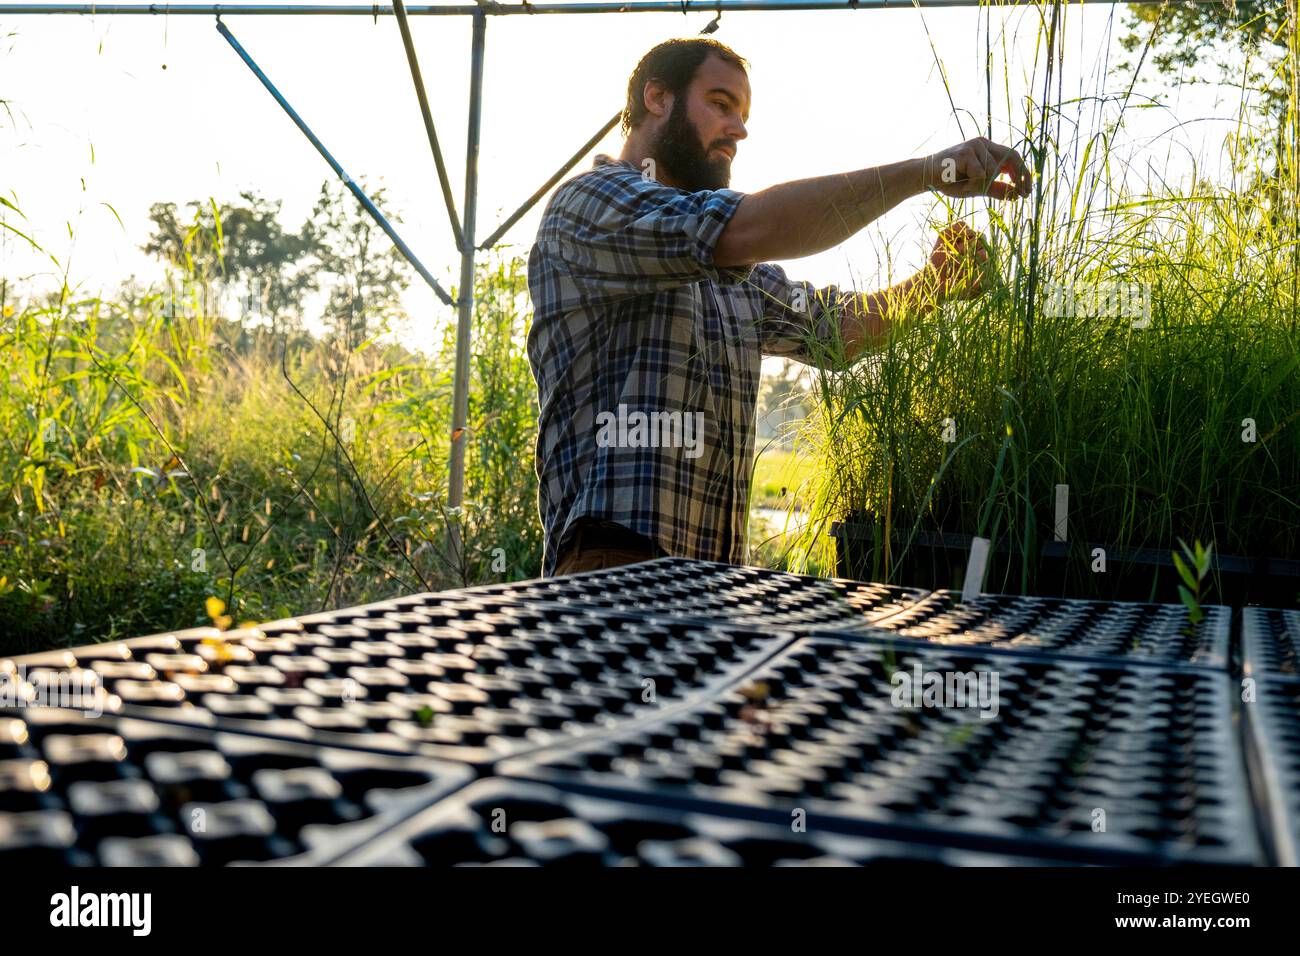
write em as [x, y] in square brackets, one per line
[1184, 572]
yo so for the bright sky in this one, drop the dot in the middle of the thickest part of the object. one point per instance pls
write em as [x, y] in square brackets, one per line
[153, 108]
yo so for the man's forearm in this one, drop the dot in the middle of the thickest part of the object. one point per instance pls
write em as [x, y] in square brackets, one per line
[867, 316]
[807, 216]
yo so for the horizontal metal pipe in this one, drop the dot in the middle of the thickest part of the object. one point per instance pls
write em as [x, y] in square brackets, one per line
[509, 9]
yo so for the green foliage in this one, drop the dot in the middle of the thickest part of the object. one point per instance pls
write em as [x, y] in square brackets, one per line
[500, 476]
[359, 265]
[1252, 44]
[500, 534]
[1178, 37]
[156, 454]
[1184, 422]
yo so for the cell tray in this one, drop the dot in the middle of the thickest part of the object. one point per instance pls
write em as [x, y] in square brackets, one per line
[1272, 722]
[1101, 762]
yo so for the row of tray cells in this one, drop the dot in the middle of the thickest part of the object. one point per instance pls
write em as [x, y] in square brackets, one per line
[515, 678]
[752, 595]
[707, 590]
[521, 823]
[1093, 628]
[104, 791]
[1272, 641]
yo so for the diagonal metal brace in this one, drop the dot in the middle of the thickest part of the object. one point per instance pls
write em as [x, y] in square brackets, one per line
[532, 200]
[407, 41]
[362, 198]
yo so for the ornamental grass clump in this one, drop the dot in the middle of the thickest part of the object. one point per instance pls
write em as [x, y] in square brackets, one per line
[1139, 347]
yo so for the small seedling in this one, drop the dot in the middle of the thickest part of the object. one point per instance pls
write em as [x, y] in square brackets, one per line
[958, 735]
[1193, 571]
[755, 711]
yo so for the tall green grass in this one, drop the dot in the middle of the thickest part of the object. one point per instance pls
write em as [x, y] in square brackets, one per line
[155, 455]
[1144, 421]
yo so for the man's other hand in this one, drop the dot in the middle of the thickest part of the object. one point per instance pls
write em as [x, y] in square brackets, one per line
[958, 263]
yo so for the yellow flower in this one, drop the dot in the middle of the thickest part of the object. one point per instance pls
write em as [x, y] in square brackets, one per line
[9, 310]
[220, 647]
[216, 607]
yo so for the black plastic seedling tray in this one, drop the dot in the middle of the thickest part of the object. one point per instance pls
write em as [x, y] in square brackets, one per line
[817, 730]
[1272, 721]
[1102, 630]
[505, 822]
[755, 596]
[709, 590]
[763, 697]
[1270, 642]
[79, 790]
[463, 677]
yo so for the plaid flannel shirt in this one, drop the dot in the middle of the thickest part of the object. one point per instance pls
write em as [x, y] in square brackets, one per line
[630, 310]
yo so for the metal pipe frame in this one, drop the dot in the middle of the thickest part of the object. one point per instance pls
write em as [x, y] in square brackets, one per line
[493, 9]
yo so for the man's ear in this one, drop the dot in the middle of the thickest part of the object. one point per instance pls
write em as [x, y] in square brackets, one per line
[657, 98]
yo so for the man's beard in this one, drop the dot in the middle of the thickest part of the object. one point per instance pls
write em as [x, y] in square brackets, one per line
[677, 145]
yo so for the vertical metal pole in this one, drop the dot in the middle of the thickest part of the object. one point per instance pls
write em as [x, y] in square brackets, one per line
[460, 399]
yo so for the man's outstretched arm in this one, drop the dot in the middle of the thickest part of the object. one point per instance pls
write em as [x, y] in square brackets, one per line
[807, 216]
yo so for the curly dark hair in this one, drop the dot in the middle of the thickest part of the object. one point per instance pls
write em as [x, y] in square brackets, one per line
[674, 63]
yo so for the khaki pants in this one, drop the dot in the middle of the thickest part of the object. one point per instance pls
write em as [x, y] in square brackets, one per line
[596, 559]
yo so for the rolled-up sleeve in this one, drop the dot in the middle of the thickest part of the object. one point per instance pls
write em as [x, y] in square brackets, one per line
[798, 320]
[623, 235]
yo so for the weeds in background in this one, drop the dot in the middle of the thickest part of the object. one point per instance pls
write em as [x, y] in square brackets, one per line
[158, 458]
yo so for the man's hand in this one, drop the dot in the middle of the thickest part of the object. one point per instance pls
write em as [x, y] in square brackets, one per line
[958, 269]
[957, 264]
[972, 168]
